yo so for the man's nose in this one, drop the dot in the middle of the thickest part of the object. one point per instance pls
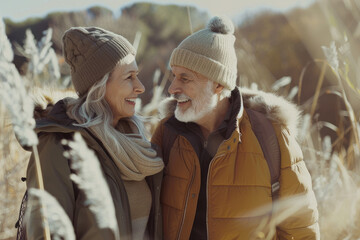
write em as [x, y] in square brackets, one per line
[174, 87]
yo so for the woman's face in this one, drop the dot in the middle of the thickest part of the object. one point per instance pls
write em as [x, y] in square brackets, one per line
[122, 89]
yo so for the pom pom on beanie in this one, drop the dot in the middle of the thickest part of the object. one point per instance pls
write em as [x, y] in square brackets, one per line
[221, 25]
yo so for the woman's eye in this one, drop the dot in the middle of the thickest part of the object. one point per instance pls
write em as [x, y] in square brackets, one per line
[133, 76]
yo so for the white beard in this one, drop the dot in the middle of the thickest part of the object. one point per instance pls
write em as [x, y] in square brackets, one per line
[203, 104]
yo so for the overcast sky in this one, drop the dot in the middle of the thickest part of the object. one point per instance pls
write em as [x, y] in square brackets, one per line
[19, 10]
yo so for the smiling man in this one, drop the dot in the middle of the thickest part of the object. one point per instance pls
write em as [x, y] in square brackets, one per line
[195, 98]
[218, 180]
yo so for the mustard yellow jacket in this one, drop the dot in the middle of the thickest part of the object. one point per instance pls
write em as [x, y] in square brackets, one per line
[239, 202]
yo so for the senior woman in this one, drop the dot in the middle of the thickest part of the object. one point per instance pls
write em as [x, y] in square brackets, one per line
[104, 74]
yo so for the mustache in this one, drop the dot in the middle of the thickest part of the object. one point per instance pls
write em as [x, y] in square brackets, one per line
[180, 97]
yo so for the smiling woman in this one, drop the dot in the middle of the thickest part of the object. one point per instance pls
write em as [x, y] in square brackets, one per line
[122, 89]
[104, 74]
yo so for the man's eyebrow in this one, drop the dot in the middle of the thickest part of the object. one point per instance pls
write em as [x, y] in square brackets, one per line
[185, 75]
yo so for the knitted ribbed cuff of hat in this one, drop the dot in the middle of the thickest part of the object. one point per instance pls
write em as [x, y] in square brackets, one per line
[207, 67]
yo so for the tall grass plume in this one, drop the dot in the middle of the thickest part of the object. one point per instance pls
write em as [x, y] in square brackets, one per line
[89, 178]
[59, 223]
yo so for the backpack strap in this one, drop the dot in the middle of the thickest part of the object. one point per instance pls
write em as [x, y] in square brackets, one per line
[265, 134]
[20, 224]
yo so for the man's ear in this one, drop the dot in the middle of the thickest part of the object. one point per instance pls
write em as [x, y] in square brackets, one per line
[218, 88]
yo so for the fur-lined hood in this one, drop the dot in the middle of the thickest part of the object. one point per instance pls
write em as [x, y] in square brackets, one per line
[45, 98]
[276, 108]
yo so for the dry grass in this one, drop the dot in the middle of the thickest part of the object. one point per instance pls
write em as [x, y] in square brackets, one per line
[12, 167]
[337, 187]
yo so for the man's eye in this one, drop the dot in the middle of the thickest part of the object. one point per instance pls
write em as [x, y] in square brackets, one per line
[171, 77]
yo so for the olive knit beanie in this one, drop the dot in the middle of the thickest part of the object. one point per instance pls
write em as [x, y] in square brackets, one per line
[91, 53]
[210, 52]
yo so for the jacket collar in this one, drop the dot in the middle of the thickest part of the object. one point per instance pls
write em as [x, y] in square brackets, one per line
[56, 120]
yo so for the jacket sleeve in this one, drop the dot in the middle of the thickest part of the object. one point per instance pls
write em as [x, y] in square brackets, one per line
[297, 199]
[56, 175]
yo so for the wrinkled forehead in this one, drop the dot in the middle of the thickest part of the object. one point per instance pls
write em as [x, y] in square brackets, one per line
[185, 72]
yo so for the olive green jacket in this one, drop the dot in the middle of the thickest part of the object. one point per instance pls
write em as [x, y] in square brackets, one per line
[55, 169]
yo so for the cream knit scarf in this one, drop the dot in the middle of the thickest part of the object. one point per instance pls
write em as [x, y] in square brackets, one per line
[135, 159]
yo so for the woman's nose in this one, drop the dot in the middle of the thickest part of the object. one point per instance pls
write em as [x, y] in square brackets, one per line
[139, 87]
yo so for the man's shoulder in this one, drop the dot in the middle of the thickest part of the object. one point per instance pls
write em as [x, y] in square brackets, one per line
[278, 110]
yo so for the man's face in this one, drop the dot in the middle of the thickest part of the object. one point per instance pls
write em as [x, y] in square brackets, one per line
[194, 94]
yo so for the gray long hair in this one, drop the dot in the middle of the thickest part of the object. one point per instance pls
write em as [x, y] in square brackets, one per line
[93, 111]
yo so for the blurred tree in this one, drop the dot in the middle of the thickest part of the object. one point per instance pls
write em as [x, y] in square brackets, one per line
[162, 28]
[97, 12]
[275, 44]
[269, 45]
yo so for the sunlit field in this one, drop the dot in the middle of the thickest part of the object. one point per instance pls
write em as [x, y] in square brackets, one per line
[309, 56]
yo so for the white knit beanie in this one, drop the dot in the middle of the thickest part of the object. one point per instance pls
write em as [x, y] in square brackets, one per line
[210, 52]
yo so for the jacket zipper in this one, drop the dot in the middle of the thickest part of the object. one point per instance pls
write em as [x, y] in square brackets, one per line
[207, 187]
[207, 192]
[187, 199]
